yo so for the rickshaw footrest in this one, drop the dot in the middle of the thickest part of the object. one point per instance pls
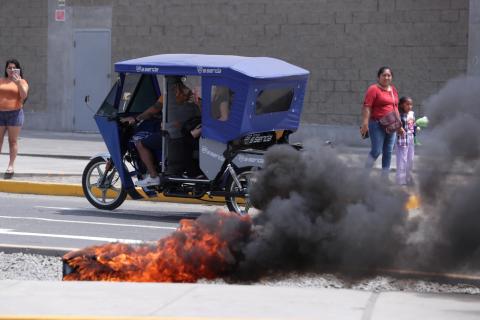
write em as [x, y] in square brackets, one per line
[183, 195]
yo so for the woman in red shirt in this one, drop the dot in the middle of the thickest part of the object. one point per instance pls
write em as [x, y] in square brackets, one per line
[381, 98]
[13, 92]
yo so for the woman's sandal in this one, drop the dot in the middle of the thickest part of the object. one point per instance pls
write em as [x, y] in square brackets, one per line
[8, 174]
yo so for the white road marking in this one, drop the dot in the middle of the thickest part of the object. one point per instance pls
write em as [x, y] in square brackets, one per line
[67, 236]
[19, 246]
[66, 208]
[90, 222]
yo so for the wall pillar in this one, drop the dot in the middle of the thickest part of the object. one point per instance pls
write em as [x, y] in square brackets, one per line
[473, 65]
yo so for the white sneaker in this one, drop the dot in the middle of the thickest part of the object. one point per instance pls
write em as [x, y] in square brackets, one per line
[148, 181]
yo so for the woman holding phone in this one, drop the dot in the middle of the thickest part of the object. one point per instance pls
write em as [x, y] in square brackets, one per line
[13, 92]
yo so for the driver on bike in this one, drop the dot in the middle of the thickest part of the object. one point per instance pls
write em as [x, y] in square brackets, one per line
[145, 144]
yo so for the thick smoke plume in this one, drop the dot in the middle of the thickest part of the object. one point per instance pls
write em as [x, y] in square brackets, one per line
[320, 212]
[449, 175]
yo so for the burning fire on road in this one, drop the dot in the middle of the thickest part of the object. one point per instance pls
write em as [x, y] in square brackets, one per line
[205, 248]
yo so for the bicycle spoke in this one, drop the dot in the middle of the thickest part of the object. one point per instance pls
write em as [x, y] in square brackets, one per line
[104, 195]
[99, 171]
[247, 206]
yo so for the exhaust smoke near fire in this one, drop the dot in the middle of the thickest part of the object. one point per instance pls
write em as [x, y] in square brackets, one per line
[319, 212]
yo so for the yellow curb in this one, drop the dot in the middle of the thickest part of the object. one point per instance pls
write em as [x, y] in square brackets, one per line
[65, 189]
[43, 188]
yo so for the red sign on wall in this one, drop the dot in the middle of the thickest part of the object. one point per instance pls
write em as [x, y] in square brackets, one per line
[60, 15]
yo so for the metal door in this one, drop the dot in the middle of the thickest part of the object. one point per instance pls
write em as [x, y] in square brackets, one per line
[92, 73]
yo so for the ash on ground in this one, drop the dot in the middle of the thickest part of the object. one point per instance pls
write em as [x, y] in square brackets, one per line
[20, 266]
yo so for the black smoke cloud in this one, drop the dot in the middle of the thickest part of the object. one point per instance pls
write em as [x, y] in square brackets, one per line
[449, 175]
[319, 212]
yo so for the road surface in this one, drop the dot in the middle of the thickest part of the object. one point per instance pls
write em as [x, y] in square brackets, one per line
[71, 222]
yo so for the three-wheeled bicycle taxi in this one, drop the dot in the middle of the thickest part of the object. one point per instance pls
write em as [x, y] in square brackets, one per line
[239, 105]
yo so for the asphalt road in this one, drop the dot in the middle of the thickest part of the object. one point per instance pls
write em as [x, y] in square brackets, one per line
[71, 222]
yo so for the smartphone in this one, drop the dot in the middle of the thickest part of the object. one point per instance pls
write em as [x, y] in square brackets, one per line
[366, 135]
[17, 71]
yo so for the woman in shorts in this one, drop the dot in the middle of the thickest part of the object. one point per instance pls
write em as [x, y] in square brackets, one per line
[13, 92]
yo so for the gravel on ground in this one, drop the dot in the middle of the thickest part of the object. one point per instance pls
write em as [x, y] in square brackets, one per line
[20, 266]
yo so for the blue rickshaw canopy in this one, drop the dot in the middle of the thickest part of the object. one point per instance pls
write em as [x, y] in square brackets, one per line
[202, 64]
[247, 77]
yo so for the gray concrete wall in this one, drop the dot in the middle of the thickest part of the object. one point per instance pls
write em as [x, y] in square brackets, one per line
[342, 43]
[79, 15]
[29, 32]
[23, 35]
[474, 39]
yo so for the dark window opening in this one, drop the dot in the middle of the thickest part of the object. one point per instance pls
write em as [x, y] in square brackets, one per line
[145, 95]
[107, 109]
[273, 100]
[129, 84]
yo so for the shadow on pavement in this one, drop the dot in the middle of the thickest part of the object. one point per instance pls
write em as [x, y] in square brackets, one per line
[144, 215]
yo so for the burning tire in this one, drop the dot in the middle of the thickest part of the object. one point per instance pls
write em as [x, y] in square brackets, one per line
[240, 204]
[102, 185]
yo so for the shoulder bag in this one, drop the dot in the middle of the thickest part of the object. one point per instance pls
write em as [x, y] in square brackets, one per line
[391, 121]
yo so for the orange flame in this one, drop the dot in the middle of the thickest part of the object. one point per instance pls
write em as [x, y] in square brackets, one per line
[202, 248]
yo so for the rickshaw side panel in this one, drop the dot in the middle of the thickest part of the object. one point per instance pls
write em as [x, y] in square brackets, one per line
[211, 156]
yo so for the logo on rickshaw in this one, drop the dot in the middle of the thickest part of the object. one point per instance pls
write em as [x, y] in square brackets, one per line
[212, 154]
[209, 70]
[146, 69]
[256, 160]
[258, 138]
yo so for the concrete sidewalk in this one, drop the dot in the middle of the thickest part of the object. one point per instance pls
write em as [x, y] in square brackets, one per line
[52, 156]
[97, 300]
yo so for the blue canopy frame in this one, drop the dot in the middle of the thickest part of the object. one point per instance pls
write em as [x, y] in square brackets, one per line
[246, 76]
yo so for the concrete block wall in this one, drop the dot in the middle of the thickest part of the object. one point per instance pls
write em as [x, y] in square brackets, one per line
[341, 42]
[23, 36]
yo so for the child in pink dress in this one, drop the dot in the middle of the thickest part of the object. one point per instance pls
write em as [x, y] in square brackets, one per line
[405, 145]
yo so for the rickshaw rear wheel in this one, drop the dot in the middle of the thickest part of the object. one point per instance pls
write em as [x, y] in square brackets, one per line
[104, 190]
[241, 204]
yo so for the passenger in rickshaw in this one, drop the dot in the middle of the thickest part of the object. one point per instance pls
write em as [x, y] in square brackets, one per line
[180, 110]
[192, 130]
[221, 101]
